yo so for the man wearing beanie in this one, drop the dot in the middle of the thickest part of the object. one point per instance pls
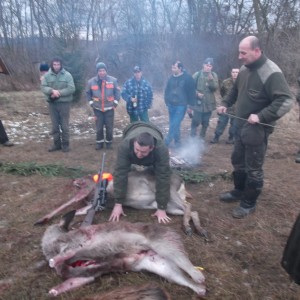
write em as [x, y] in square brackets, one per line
[206, 85]
[103, 95]
[44, 68]
[58, 86]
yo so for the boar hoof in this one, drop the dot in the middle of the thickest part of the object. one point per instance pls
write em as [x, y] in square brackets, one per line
[53, 292]
[51, 263]
[188, 230]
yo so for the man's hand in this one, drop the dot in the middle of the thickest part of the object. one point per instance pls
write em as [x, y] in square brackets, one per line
[116, 213]
[55, 94]
[200, 95]
[253, 119]
[221, 110]
[161, 216]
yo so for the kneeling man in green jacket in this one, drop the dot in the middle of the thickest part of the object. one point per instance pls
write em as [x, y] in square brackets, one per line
[143, 145]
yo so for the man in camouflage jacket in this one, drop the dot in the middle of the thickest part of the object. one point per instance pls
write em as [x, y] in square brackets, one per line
[206, 85]
[223, 119]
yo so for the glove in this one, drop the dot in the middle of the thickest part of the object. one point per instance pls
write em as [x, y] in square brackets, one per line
[91, 103]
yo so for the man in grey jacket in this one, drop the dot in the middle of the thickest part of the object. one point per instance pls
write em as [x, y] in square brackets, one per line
[58, 86]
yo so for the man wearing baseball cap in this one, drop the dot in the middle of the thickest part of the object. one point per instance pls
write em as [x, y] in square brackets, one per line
[137, 92]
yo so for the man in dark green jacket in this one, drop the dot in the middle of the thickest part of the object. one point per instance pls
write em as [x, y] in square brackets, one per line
[262, 96]
[142, 144]
[59, 87]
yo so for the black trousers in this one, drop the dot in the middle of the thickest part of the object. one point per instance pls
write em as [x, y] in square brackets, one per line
[104, 119]
[3, 135]
[291, 255]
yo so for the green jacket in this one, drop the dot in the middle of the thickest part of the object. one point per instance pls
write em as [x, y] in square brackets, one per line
[225, 88]
[207, 87]
[62, 81]
[158, 159]
[261, 89]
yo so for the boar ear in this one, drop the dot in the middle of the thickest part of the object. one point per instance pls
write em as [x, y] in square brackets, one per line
[67, 219]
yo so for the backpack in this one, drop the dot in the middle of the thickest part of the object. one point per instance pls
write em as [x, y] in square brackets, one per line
[291, 254]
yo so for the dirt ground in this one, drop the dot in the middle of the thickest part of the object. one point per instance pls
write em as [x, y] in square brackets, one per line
[242, 260]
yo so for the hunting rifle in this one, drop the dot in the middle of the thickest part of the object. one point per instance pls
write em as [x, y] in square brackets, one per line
[100, 196]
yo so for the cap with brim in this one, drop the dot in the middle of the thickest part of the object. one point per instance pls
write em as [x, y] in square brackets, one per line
[137, 69]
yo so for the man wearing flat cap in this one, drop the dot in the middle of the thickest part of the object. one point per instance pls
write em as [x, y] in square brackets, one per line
[103, 95]
[206, 85]
[137, 92]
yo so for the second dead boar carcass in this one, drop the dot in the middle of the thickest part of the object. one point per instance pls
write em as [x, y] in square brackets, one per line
[141, 192]
[81, 255]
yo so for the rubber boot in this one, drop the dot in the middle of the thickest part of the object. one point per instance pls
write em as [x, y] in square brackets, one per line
[248, 203]
[193, 131]
[230, 140]
[297, 160]
[108, 145]
[239, 181]
[215, 140]
[65, 147]
[99, 146]
[56, 146]
[203, 132]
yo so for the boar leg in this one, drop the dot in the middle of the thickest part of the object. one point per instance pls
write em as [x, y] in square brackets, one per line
[186, 219]
[83, 210]
[81, 195]
[167, 269]
[60, 258]
[201, 231]
[70, 284]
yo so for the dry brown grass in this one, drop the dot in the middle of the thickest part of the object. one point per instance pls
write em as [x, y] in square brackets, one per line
[241, 262]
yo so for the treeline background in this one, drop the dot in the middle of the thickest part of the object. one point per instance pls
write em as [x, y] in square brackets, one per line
[150, 33]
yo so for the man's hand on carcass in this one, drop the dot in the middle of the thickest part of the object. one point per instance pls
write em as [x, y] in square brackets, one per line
[116, 213]
[161, 216]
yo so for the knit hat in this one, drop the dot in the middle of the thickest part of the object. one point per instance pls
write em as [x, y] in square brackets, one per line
[100, 65]
[209, 61]
[137, 69]
[44, 67]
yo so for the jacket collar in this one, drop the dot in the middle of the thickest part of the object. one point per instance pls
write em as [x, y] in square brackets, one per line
[258, 63]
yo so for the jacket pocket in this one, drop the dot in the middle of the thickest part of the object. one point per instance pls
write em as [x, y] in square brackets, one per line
[109, 85]
[253, 94]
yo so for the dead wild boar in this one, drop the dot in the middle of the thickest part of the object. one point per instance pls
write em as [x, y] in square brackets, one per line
[145, 292]
[81, 255]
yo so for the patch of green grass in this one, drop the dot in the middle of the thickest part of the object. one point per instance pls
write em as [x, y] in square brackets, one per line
[30, 168]
[197, 176]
